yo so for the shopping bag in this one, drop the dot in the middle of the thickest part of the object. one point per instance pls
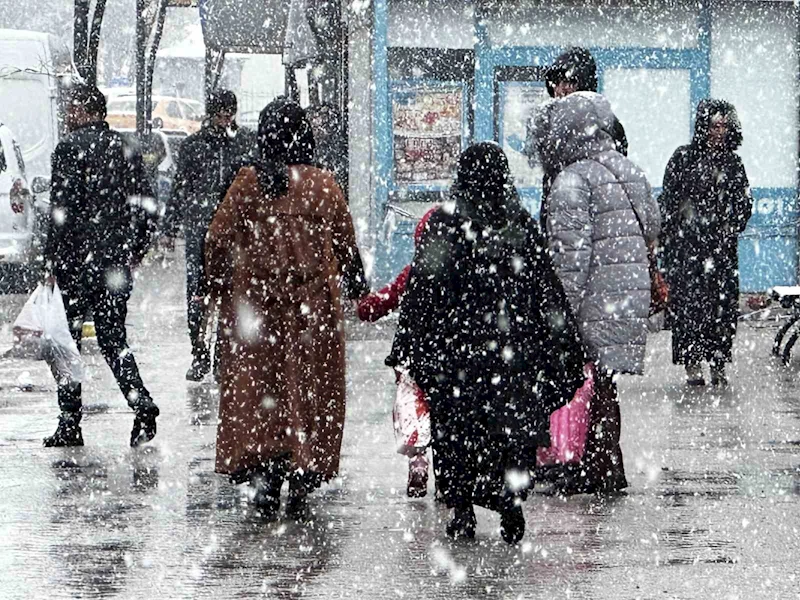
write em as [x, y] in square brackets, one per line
[569, 427]
[411, 416]
[42, 328]
[28, 329]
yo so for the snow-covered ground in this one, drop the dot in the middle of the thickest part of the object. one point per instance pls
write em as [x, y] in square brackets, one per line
[712, 511]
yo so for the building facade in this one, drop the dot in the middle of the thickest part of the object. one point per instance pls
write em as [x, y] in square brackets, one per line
[440, 74]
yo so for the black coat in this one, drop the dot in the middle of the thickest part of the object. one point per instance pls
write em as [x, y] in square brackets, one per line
[103, 212]
[207, 165]
[705, 205]
[486, 331]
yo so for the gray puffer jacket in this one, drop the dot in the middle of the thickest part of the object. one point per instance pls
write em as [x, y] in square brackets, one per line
[599, 251]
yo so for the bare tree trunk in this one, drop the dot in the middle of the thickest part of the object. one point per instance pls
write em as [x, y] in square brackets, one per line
[81, 36]
[94, 41]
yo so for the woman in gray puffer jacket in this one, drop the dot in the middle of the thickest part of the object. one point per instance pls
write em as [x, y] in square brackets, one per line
[600, 218]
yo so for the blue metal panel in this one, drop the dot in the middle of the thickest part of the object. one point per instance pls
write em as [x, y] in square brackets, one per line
[768, 248]
[382, 130]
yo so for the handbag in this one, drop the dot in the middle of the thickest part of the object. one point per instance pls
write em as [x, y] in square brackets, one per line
[659, 288]
[411, 416]
[569, 427]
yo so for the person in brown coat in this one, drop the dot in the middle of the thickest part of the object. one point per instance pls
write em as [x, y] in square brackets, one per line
[278, 250]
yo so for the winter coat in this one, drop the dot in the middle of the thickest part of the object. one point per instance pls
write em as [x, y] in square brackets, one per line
[276, 263]
[103, 211]
[706, 204]
[599, 205]
[486, 332]
[207, 163]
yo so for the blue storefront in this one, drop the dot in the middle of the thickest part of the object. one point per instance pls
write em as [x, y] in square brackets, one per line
[443, 74]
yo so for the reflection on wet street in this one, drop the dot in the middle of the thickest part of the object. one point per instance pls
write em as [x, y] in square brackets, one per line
[712, 511]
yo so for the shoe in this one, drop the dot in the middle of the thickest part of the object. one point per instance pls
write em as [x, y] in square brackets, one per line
[718, 378]
[144, 424]
[266, 499]
[417, 477]
[68, 433]
[297, 504]
[694, 375]
[463, 523]
[512, 525]
[200, 368]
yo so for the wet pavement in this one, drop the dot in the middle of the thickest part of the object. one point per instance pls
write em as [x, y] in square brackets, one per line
[713, 510]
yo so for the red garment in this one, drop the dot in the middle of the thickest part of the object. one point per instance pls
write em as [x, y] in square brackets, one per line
[379, 304]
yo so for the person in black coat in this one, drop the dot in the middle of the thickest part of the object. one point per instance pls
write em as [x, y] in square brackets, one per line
[208, 163]
[103, 218]
[486, 331]
[705, 205]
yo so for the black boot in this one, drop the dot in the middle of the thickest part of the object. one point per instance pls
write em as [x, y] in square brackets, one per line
[512, 525]
[267, 495]
[144, 423]
[68, 432]
[297, 504]
[201, 365]
[463, 523]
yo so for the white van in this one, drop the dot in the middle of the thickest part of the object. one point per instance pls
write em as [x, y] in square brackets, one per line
[34, 70]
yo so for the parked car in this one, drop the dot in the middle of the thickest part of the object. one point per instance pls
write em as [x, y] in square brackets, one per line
[169, 113]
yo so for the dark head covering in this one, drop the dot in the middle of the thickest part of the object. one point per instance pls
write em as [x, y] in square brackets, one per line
[576, 66]
[708, 111]
[484, 190]
[90, 98]
[222, 101]
[284, 134]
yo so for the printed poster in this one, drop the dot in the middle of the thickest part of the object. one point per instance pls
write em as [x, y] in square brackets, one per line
[427, 127]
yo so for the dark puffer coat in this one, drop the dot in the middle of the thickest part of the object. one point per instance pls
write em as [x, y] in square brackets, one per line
[705, 204]
[486, 331]
[207, 165]
[103, 211]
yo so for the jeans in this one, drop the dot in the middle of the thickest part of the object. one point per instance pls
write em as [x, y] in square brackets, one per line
[103, 293]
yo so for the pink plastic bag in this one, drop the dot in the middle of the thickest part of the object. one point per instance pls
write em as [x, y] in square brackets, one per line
[569, 427]
[411, 416]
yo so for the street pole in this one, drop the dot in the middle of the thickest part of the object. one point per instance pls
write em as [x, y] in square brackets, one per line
[141, 68]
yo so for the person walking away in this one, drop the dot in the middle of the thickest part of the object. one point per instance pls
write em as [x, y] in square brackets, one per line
[486, 331]
[207, 164]
[574, 70]
[600, 218]
[705, 204]
[278, 250]
[103, 218]
[373, 307]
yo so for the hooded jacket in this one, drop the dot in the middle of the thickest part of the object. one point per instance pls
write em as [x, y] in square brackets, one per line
[600, 217]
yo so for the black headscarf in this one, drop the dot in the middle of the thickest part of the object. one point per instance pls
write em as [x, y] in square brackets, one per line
[709, 110]
[484, 190]
[284, 134]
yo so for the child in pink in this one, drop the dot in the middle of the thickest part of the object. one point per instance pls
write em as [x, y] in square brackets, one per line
[411, 415]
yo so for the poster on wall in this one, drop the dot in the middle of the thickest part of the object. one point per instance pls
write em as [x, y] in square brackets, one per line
[427, 134]
[518, 100]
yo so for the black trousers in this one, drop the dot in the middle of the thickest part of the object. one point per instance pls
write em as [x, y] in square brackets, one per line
[105, 295]
[196, 291]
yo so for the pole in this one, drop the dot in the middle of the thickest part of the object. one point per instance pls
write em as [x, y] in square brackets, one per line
[141, 68]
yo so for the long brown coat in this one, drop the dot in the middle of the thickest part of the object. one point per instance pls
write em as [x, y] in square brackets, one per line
[276, 264]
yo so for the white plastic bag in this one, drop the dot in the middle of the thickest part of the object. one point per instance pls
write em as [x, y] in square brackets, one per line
[42, 328]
